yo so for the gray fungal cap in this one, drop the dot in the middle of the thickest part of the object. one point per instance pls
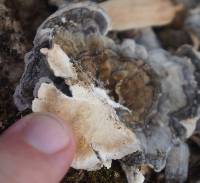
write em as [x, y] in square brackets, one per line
[189, 3]
[177, 163]
[192, 22]
[77, 17]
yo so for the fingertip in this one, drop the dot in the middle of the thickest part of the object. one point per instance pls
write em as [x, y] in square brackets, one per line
[39, 141]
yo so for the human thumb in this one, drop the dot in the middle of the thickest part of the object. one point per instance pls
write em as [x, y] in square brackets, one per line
[39, 148]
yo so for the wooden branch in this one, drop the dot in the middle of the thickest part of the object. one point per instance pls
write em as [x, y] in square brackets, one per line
[127, 14]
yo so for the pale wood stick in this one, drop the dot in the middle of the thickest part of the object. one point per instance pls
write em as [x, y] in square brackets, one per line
[128, 14]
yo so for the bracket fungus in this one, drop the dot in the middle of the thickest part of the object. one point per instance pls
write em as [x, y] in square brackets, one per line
[90, 112]
[122, 101]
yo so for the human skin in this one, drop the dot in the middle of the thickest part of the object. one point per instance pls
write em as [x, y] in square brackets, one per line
[37, 148]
